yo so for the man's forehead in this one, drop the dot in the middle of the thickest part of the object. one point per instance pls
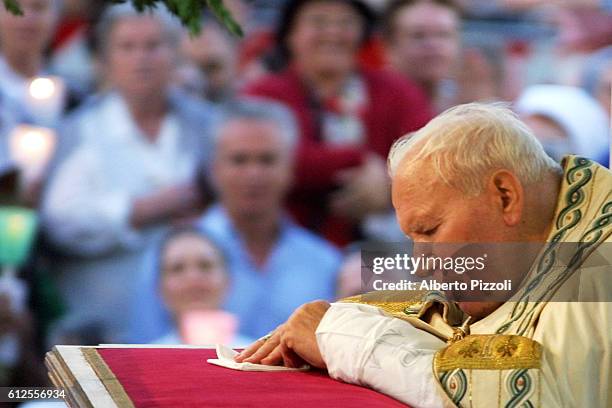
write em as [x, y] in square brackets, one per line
[253, 124]
[413, 175]
[247, 128]
[250, 133]
[412, 196]
[417, 186]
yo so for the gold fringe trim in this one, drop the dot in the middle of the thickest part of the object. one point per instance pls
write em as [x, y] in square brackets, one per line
[393, 302]
[490, 352]
[107, 377]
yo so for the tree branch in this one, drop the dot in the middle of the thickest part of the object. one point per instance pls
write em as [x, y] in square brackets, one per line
[189, 12]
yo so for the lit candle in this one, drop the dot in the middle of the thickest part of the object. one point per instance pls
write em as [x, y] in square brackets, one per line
[17, 231]
[31, 148]
[46, 99]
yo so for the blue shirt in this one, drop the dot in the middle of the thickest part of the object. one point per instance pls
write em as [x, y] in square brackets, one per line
[300, 268]
[174, 338]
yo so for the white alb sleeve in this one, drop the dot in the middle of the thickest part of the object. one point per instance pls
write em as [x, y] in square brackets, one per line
[360, 345]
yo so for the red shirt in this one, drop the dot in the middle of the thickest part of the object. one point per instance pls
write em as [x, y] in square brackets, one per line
[394, 107]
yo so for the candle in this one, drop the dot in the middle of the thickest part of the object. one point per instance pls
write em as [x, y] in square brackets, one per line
[31, 148]
[17, 232]
[46, 99]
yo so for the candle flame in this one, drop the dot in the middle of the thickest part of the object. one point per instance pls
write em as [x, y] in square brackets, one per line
[31, 146]
[42, 88]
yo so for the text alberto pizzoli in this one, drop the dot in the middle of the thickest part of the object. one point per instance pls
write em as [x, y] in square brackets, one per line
[458, 265]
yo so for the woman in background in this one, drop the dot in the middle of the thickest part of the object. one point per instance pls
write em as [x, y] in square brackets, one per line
[193, 284]
[348, 115]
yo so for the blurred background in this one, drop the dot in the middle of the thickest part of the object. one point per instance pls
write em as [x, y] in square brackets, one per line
[162, 187]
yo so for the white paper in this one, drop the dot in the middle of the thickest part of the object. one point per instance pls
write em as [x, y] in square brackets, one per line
[225, 358]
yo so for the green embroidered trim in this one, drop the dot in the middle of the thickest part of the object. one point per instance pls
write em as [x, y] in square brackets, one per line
[577, 177]
[455, 383]
[591, 237]
[587, 240]
[519, 385]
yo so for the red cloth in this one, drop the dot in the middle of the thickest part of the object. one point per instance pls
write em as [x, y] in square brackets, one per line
[66, 30]
[182, 378]
[373, 54]
[394, 108]
[254, 47]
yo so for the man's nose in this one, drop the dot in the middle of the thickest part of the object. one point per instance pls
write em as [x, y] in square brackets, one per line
[255, 171]
[193, 275]
[142, 54]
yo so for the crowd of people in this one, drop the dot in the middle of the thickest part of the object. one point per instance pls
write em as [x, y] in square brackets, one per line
[204, 186]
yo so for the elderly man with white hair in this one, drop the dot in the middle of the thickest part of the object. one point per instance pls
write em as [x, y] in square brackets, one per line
[477, 174]
[274, 264]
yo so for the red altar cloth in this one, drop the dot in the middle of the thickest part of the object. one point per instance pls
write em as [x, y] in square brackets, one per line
[183, 378]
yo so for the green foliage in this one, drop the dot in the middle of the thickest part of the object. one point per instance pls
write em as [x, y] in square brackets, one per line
[189, 12]
[12, 6]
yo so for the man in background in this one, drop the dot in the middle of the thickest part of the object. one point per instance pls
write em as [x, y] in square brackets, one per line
[274, 265]
[423, 44]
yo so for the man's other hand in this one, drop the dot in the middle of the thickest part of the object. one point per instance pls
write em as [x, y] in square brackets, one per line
[292, 344]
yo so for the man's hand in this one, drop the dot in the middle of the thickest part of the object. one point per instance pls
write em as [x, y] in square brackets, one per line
[293, 343]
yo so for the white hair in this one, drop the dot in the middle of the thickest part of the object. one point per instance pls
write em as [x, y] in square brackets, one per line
[467, 142]
[261, 109]
[115, 13]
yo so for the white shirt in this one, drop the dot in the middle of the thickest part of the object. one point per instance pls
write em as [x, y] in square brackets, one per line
[45, 113]
[360, 345]
[89, 201]
[87, 205]
[13, 85]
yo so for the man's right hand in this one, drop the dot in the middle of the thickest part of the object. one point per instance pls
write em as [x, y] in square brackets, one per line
[293, 343]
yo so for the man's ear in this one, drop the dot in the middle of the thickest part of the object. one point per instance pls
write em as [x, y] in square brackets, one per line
[508, 195]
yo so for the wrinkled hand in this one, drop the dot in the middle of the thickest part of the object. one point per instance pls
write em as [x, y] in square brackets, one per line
[292, 344]
[365, 190]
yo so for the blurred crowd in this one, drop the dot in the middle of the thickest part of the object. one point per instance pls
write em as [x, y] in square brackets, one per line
[198, 188]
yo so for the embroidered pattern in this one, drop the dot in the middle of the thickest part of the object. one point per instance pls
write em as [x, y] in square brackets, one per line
[455, 383]
[592, 236]
[490, 352]
[576, 177]
[519, 386]
[392, 302]
[508, 347]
